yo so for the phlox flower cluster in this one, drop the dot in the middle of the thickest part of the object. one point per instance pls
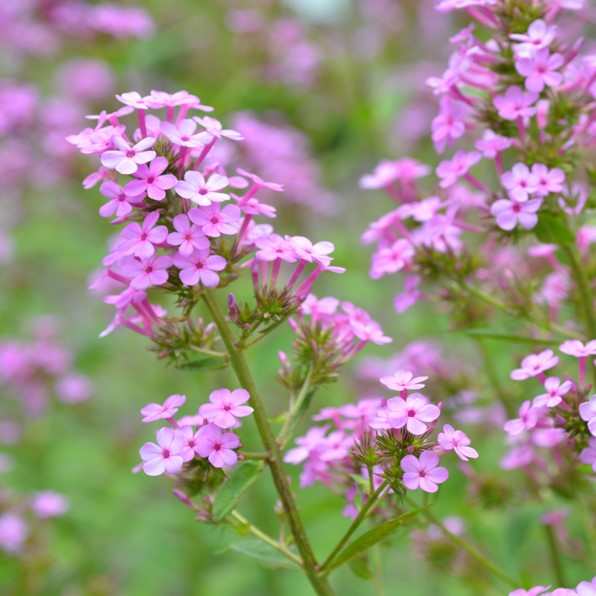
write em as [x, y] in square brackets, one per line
[379, 442]
[179, 443]
[517, 159]
[185, 226]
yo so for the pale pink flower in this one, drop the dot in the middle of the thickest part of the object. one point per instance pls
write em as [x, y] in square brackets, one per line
[187, 237]
[133, 99]
[539, 36]
[392, 259]
[213, 443]
[48, 503]
[414, 413]
[146, 272]
[226, 407]
[215, 220]
[587, 412]
[386, 172]
[519, 182]
[588, 455]
[273, 247]
[188, 449]
[165, 455]
[535, 591]
[13, 532]
[214, 128]
[535, 364]
[152, 181]
[139, 239]
[528, 418]
[126, 159]
[168, 409]
[584, 589]
[451, 170]
[574, 347]
[201, 191]
[423, 472]
[515, 104]
[491, 144]
[403, 380]
[456, 440]
[508, 213]
[555, 390]
[545, 181]
[540, 70]
[201, 267]
[183, 134]
[121, 201]
[312, 253]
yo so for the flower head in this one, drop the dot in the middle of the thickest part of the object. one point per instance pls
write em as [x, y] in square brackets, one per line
[423, 472]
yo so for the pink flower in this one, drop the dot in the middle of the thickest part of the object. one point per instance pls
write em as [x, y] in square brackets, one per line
[587, 412]
[545, 181]
[588, 455]
[528, 418]
[582, 589]
[126, 159]
[121, 201]
[151, 180]
[450, 124]
[515, 104]
[226, 407]
[403, 380]
[492, 144]
[201, 191]
[535, 364]
[200, 267]
[183, 134]
[273, 247]
[386, 172]
[456, 440]
[450, 171]
[555, 390]
[540, 70]
[188, 237]
[509, 213]
[188, 449]
[48, 503]
[312, 253]
[574, 347]
[138, 240]
[519, 182]
[539, 36]
[392, 259]
[168, 409]
[423, 472]
[215, 220]
[414, 413]
[165, 455]
[214, 128]
[218, 446]
[535, 591]
[133, 99]
[146, 272]
[13, 532]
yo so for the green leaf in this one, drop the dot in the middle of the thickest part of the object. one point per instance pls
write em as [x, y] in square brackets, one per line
[241, 480]
[493, 333]
[359, 567]
[206, 363]
[263, 553]
[372, 537]
[552, 230]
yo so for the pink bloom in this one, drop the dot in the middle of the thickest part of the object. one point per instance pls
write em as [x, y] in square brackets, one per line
[201, 191]
[259, 182]
[386, 172]
[574, 347]
[312, 253]
[540, 70]
[456, 440]
[151, 180]
[146, 272]
[410, 296]
[450, 124]
[414, 413]
[214, 128]
[535, 364]
[588, 455]
[528, 418]
[273, 247]
[539, 36]
[161, 99]
[583, 589]
[48, 503]
[188, 237]
[509, 213]
[491, 144]
[392, 259]
[226, 407]
[138, 240]
[165, 455]
[545, 181]
[133, 99]
[183, 134]
[403, 380]
[450, 171]
[200, 267]
[555, 390]
[518, 182]
[423, 472]
[188, 449]
[168, 409]
[121, 202]
[126, 159]
[515, 104]
[13, 532]
[215, 220]
[535, 591]
[218, 446]
[587, 411]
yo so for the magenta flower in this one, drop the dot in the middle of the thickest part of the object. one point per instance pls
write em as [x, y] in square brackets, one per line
[215, 220]
[423, 472]
[121, 200]
[587, 412]
[540, 70]
[574, 347]
[146, 272]
[545, 181]
[138, 240]
[519, 182]
[226, 407]
[165, 455]
[528, 418]
[451, 170]
[200, 266]
[386, 172]
[588, 455]
[555, 390]
[201, 191]
[151, 181]
[515, 104]
[535, 364]
[414, 413]
[213, 443]
[450, 124]
[168, 409]
[126, 159]
[456, 440]
[133, 99]
[188, 237]
[403, 380]
[183, 134]
[509, 213]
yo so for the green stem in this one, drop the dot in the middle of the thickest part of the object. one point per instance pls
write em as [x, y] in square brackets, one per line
[286, 430]
[370, 503]
[240, 367]
[555, 555]
[265, 538]
[469, 548]
[492, 374]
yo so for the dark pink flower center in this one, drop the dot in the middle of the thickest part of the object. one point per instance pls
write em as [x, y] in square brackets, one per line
[203, 191]
[411, 413]
[130, 153]
[217, 446]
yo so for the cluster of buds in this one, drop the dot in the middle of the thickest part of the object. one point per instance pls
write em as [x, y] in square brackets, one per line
[380, 442]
